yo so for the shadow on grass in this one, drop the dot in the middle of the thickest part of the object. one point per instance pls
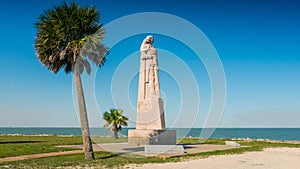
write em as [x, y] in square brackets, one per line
[109, 156]
[20, 142]
[125, 154]
[189, 144]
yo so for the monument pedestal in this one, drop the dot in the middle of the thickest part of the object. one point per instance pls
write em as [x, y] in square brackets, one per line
[140, 137]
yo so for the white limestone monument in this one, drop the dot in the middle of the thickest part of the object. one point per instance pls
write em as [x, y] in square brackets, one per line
[150, 121]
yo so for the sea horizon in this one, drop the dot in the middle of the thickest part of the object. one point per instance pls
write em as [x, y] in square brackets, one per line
[134, 127]
[278, 133]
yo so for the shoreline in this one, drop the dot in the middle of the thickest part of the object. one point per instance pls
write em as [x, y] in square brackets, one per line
[231, 139]
[242, 133]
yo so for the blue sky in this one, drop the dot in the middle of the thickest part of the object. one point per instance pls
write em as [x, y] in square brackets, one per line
[257, 42]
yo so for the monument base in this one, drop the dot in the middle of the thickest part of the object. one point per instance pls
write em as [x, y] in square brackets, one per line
[164, 149]
[140, 137]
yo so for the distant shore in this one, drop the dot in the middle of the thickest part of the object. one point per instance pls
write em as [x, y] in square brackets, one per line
[233, 139]
[231, 133]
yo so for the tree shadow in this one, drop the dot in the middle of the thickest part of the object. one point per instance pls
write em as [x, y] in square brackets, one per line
[114, 155]
[20, 142]
[191, 144]
[134, 149]
[109, 156]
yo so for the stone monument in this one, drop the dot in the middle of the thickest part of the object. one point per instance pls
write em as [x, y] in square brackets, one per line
[150, 121]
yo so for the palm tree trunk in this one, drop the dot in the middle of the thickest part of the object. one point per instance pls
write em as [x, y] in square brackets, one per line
[115, 131]
[116, 135]
[87, 143]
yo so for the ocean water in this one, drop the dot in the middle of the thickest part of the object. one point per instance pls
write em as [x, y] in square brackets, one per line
[253, 133]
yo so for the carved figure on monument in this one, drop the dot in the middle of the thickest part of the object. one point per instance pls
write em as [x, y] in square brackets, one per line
[150, 105]
[150, 121]
[149, 68]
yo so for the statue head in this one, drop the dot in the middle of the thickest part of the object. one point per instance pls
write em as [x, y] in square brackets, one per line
[147, 43]
[149, 39]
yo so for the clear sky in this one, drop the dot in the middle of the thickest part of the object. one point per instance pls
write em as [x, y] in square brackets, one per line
[258, 43]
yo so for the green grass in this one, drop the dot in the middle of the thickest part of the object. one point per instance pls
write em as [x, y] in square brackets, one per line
[23, 145]
[106, 159]
[197, 141]
[11, 146]
[109, 159]
[99, 140]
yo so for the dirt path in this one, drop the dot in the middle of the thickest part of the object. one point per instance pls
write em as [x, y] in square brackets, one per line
[25, 157]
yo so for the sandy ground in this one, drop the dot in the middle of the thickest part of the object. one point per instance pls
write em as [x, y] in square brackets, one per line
[271, 158]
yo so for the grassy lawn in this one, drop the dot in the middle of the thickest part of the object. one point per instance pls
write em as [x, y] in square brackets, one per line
[34, 144]
[23, 145]
[99, 140]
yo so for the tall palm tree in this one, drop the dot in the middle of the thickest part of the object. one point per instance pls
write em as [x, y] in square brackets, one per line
[116, 120]
[68, 37]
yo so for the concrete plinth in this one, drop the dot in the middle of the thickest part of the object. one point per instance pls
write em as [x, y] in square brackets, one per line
[151, 137]
[164, 149]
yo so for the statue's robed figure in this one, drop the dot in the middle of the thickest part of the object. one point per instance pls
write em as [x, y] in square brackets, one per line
[150, 122]
[150, 112]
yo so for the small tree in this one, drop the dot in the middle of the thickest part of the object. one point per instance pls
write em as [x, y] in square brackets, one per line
[115, 120]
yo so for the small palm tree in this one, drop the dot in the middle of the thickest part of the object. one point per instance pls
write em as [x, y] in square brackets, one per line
[116, 120]
[62, 34]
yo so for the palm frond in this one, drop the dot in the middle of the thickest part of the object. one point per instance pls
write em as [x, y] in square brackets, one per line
[115, 118]
[62, 34]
